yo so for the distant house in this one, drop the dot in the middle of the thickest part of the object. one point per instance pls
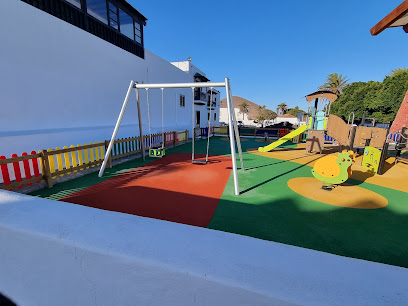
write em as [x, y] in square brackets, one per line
[247, 118]
[287, 118]
[203, 105]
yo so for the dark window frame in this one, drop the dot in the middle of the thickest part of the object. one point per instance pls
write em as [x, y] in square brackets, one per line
[79, 17]
[182, 100]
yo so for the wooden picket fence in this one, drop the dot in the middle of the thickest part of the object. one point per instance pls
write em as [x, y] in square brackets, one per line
[48, 164]
[220, 130]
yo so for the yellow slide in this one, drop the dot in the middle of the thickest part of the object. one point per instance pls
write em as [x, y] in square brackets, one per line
[284, 139]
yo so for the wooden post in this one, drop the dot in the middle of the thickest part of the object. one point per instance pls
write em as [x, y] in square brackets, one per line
[165, 139]
[383, 158]
[352, 137]
[110, 156]
[174, 138]
[46, 167]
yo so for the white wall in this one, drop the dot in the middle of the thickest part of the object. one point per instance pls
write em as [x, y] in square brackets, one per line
[56, 76]
[238, 114]
[290, 120]
[65, 254]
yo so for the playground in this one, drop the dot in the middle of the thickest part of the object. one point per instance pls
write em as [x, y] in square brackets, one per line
[279, 198]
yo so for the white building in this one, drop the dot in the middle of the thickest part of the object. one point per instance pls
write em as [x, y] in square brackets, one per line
[287, 118]
[248, 118]
[66, 68]
[206, 110]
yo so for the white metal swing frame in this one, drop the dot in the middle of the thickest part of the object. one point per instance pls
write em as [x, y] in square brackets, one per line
[233, 127]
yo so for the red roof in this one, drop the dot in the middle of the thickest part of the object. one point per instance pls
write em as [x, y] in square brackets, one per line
[401, 120]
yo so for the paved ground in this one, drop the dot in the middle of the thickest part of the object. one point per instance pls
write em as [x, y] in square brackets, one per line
[269, 209]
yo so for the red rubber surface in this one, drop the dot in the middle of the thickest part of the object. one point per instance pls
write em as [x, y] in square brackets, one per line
[169, 188]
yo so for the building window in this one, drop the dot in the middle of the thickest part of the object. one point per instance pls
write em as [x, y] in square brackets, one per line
[126, 24]
[182, 101]
[76, 3]
[97, 9]
[138, 32]
[113, 16]
[208, 119]
[215, 117]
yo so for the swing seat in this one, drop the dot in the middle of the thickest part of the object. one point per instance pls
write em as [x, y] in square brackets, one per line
[157, 152]
[199, 161]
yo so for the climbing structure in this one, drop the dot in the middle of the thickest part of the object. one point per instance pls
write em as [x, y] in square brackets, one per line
[401, 120]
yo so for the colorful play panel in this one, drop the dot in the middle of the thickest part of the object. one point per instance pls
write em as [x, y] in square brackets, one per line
[280, 199]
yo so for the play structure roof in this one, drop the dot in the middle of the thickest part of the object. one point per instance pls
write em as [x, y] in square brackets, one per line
[397, 18]
[322, 94]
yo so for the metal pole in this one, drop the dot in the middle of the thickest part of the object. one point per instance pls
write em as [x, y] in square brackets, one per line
[231, 135]
[115, 131]
[192, 157]
[237, 139]
[181, 85]
[209, 125]
[139, 114]
[163, 136]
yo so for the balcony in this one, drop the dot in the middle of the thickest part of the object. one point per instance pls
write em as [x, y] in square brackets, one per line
[212, 105]
[200, 98]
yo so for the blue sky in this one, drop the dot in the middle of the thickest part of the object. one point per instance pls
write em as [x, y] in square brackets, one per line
[276, 51]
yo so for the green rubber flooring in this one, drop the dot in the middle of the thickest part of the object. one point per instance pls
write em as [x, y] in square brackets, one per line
[268, 209]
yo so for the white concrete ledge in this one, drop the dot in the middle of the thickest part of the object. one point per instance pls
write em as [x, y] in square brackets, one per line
[55, 253]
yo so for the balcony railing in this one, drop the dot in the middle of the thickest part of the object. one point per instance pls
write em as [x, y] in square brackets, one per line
[212, 105]
[200, 98]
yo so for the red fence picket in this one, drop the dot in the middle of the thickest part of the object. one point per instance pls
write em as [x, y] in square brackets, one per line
[17, 172]
[27, 170]
[36, 167]
[5, 172]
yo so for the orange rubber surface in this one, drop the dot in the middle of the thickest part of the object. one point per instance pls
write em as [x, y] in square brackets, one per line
[170, 188]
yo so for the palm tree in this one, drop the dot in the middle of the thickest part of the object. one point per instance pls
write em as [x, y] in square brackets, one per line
[261, 114]
[243, 109]
[282, 108]
[334, 83]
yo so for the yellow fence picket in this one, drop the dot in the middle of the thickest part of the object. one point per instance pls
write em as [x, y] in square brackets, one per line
[67, 162]
[59, 161]
[102, 151]
[96, 152]
[73, 157]
[80, 157]
[52, 163]
[86, 156]
[92, 154]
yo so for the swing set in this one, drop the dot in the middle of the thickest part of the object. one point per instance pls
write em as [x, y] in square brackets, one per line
[159, 150]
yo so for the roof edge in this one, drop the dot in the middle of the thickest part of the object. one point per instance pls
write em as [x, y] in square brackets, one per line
[397, 13]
